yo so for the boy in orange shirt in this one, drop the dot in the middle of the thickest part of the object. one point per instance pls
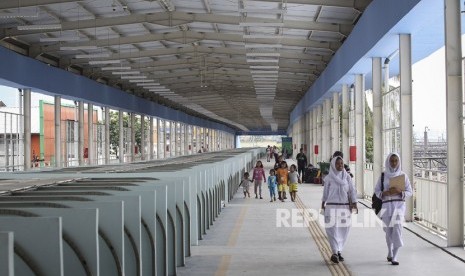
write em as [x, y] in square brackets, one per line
[282, 175]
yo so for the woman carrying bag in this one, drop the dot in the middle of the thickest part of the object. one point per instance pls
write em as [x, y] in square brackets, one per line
[396, 189]
[339, 199]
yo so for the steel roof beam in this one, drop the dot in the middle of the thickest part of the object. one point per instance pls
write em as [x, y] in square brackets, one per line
[191, 36]
[180, 18]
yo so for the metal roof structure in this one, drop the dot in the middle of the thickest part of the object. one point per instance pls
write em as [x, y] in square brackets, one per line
[242, 63]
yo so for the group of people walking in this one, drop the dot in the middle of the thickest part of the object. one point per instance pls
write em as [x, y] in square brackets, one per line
[280, 179]
[340, 200]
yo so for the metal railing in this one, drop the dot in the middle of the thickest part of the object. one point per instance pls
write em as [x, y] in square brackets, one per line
[11, 142]
[430, 197]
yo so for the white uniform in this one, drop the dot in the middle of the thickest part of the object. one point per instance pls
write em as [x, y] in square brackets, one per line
[393, 209]
[338, 193]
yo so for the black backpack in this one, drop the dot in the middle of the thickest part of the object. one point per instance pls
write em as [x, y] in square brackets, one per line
[377, 203]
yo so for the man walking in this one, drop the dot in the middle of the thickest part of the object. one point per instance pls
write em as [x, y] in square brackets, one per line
[301, 163]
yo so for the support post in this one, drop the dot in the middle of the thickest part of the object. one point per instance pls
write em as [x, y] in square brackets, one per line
[132, 144]
[151, 157]
[27, 128]
[58, 154]
[360, 132]
[107, 135]
[345, 121]
[81, 133]
[406, 121]
[454, 107]
[142, 137]
[335, 126]
[90, 134]
[377, 119]
[121, 137]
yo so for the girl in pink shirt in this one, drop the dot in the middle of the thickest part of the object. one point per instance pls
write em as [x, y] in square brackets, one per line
[257, 178]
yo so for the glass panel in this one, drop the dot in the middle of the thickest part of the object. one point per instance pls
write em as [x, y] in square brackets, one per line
[391, 121]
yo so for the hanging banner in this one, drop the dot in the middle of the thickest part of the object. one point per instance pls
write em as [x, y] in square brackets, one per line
[287, 147]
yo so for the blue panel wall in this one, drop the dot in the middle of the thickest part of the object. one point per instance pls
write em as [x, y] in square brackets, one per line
[23, 72]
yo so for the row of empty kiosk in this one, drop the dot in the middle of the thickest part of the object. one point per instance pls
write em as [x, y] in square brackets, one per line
[136, 219]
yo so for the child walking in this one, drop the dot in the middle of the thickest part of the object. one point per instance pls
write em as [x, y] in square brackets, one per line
[294, 179]
[257, 178]
[282, 175]
[272, 185]
[245, 183]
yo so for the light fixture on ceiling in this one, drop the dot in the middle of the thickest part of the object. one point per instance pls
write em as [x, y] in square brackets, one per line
[264, 67]
[263, 72]
[59, 39]
[108, 61]
[139, 80]
[99, 55]
[78, 48]
[259, 79]
[251, 60]
[39, 27]
[262, 36]
[150, 83]
[133, 77]
[262, 24]
[263, 11]
[126, 73]
[19, 14]
[257, 45]
[116, 68]
[262, 54]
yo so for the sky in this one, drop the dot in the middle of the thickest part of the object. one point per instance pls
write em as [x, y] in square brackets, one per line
[428, 95]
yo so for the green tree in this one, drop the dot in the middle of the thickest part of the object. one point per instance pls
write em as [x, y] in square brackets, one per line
[368, 133]
[114, 129]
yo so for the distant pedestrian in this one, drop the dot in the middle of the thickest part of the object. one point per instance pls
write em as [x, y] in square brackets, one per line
[301, 163]
[272, 185]
[268, 153]
[257, 178]
[245, 183]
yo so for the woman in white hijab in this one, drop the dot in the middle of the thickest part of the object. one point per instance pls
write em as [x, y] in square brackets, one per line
[393, 209]
[339, 198]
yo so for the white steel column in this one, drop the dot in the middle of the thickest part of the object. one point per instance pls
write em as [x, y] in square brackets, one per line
[176, 139]
[81, 133]
[159, 139]
[151, 157]
[335, 128]
[132, 144]
[142, 137]
[315, 134]
[319, 132]
[90, 134]
[58, 132]
[107, 135]
[454, 107]
[310, 136]
[165, 152]
[199, 140]
[345, 122]
[359, 131]
[406, 121]
[121, 136]
[27, 128]
[377, 119]
[327, 131]
[186, 139]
